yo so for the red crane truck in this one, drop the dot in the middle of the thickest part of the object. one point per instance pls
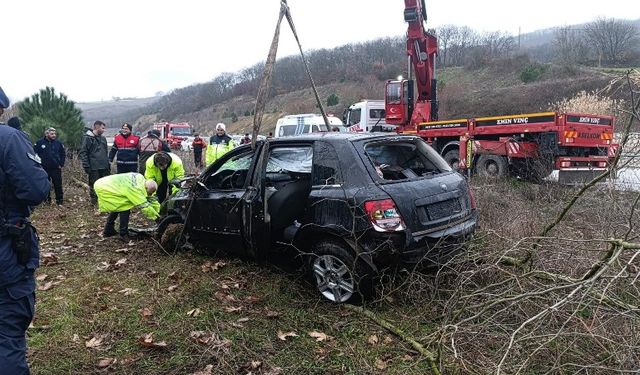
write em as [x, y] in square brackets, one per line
[527, 145]
[173, 133]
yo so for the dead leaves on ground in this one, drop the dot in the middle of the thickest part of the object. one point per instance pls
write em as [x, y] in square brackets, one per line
[112, 265]
[148, 341]
[210, 339]
[48, 259]
[209, 267]
[319, 336]
[283, 335]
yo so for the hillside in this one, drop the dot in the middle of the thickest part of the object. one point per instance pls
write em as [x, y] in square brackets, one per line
[493, 90]
[113, 112]
[478, 80]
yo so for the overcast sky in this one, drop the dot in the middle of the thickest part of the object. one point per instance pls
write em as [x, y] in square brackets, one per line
[95, 50]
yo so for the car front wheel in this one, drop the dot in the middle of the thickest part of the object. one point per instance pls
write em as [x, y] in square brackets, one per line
[338, 276]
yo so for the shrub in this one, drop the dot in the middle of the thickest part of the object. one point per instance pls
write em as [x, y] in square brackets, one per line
[532, 72]
[333, 100]
[589, 102]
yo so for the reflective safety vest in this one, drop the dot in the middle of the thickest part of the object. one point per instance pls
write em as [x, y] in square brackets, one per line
[122, 192]
[174, 171]
[216, 150]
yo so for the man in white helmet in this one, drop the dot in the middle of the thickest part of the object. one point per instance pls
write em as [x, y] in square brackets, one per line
[219, 144]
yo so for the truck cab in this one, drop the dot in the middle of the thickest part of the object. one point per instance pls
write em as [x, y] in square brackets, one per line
[367, 116]
[173, 133]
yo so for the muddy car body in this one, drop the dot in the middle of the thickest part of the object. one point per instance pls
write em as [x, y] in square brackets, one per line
[351, 205]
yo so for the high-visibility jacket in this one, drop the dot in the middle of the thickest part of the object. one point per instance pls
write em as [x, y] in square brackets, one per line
[218, 146]
[174, 171]
[122, 192]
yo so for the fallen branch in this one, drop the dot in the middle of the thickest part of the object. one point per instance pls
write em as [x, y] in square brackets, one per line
[430, 357]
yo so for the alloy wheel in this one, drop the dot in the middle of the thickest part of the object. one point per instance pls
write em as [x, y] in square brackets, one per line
[333, 278]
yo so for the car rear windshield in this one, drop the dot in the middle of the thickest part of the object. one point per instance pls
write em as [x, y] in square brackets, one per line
[404, 159]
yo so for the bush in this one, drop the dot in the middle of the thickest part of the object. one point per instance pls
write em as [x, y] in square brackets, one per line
[333, 100]
[589, 102]
[532, 72]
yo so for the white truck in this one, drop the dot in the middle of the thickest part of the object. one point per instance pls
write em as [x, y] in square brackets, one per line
[304, 124]
[367, 116]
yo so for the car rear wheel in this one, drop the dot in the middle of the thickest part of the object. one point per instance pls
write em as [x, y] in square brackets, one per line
[338, 276]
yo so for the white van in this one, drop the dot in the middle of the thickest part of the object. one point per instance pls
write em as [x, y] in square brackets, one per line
[367, 116]
[304, 124]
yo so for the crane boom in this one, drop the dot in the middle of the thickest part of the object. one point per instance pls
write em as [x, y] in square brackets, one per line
[402, 106]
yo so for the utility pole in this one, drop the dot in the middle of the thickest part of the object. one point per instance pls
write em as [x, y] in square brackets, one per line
[519, 38]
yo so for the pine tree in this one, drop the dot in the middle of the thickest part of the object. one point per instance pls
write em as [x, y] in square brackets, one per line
[47, 109]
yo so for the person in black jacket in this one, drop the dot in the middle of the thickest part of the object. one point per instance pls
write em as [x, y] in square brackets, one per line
[93, 153]
[52, 155]
[23, 185]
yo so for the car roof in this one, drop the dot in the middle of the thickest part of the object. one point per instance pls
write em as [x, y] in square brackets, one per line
[337, 137]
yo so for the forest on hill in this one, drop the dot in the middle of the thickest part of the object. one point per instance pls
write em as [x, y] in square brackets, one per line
[479, 74]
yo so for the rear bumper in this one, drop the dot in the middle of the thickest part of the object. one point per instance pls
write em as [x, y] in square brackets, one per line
[436, 248]
[432, 249]
[578, 176]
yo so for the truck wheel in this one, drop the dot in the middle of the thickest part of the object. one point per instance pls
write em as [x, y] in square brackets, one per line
[452, 157]
[492, 166]
[338, 276]
[535, 170]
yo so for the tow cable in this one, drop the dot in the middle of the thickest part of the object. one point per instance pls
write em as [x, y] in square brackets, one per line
[267, 74]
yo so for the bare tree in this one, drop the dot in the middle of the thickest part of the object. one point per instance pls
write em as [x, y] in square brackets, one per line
[446, 34]
[611, 38]
[461, 41]
[569, 46]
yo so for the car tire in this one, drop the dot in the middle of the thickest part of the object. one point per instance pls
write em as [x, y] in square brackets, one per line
[338, 275]
[173, 238]
[492, 166]
[452, 157]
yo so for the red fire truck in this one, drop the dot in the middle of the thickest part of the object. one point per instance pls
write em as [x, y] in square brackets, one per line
[527, 145]
[173, 133]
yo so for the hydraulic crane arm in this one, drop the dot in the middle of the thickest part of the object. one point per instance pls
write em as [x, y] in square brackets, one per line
[402, 106]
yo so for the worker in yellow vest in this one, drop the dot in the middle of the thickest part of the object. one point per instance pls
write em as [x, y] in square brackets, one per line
[219, 144]
[119, 193]
[164, 167]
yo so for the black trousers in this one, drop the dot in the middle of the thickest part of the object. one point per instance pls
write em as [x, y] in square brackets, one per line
[197, 158]
[163, 190]
[94, 175]
[55, 176]
[124, 221]
[126, 168]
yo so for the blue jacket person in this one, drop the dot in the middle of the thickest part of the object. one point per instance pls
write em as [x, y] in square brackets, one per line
[23, 184]
[52, 156]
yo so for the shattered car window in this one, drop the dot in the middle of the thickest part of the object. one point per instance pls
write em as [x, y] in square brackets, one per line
[290, 159]
[232, 173]
[402, 160]
[326, 169]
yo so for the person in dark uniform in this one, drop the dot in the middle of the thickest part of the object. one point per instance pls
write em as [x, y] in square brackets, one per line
[52, 156]
[23, 185]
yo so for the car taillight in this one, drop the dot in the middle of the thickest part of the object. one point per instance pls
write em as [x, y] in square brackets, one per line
[565, 164]
[602, 164]
[384, 215]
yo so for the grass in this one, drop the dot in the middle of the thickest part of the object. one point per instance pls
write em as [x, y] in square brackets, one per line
[241, 302]
[104, 290]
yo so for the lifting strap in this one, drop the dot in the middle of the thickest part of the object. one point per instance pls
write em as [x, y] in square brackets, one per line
[267, 74]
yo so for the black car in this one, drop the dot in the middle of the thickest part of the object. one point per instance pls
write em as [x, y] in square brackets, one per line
[352, 205]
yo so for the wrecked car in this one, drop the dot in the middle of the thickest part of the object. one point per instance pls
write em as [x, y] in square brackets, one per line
[350, 205]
